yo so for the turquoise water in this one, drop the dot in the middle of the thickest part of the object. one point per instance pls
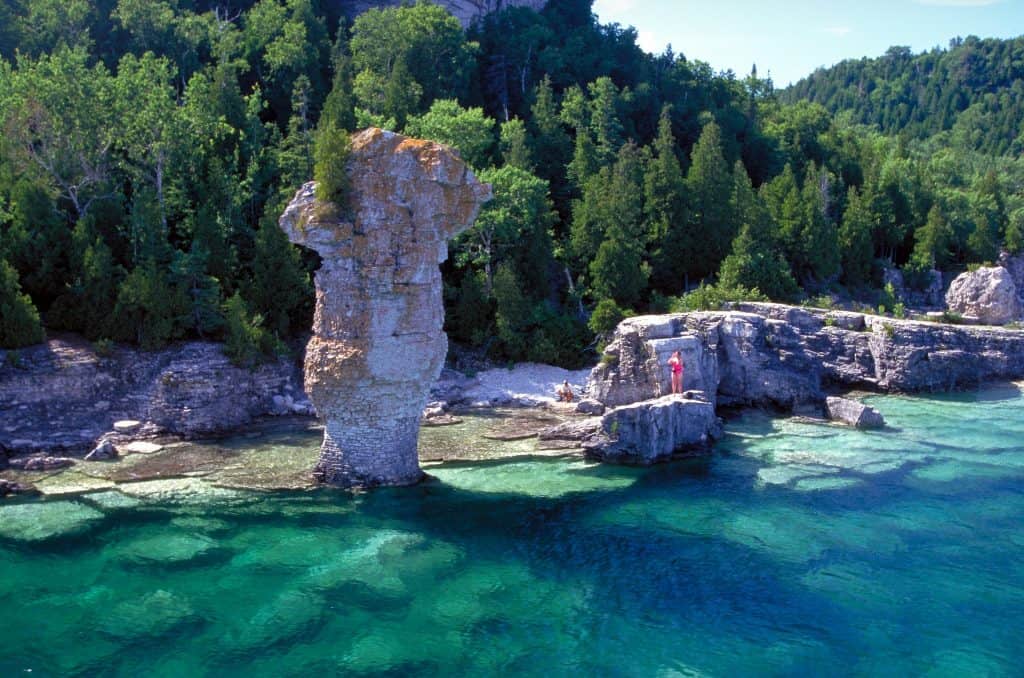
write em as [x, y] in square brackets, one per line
[796, 549]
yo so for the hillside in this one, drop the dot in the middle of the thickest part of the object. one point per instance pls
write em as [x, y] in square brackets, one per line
[974, 89]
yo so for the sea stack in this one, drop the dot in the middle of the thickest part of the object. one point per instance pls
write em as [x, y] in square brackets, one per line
[378, 341]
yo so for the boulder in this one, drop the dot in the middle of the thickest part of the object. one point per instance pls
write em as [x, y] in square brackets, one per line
[127, 425]
[988, 293]
[589, 406]
[378, 343]
[102, 452]
[652, 431]
[854, 413]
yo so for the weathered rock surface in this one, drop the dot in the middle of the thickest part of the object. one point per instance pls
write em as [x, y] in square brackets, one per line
[377, 342]
[63, 396]
[463, 10]
[11, 487]
[988, 294]
[853, 412]
[770, 354]
[40, 463]
[648, 432]
[104, 451]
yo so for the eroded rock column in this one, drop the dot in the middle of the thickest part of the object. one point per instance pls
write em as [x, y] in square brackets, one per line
[378, 341]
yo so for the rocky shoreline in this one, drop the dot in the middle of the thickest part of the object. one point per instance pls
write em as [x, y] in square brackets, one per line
[59, 400]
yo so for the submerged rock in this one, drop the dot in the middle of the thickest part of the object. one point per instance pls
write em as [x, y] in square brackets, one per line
[854, 413]
[377, 341]
[39, 521]
[151, 615]
[989, 294]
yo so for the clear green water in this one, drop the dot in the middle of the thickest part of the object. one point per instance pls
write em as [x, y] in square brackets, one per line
[796, 549]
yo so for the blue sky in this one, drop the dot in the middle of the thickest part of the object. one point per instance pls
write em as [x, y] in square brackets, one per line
[791, 38]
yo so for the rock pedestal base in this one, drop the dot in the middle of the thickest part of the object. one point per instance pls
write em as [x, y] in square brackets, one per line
[378, 343]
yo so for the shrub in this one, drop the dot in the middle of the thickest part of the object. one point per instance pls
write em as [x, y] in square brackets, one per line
[19, 319]
[331, 151]
[247, 342]
[714, 297]
[606, 317]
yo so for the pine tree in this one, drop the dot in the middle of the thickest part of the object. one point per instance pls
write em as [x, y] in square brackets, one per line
[855, 240]
[19, 319]
[819, 251]
[515, 149]
[618, 270]
[709, 186]
[200, 292]
[665, 211]
[246, 343]
[331, 155]
[339, 106]
[280, 290]
[148, 309]
[756, 261]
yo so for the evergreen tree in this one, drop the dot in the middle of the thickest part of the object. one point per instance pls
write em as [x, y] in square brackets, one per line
[550, 145]
[819, 251]
[199, 291]
[584, 164]
[709, 186]
[933, 241]
[855, 240]
[756, 262]
[515, 148]
[331, 156]
[513, 313]
[246, 343]
[280, 287]
[148, 310]
[665, 212]
[19, 319]
[618, 270]
[339, 106]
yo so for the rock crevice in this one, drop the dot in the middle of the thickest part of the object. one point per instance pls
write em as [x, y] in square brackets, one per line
[378, 343]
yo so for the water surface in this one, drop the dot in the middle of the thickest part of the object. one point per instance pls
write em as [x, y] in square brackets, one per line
[797, 548]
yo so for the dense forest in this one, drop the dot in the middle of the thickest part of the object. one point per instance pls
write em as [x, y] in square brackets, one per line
[973, 91]
[149, 147]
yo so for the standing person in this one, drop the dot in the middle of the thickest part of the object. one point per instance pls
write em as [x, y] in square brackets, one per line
[676, 363]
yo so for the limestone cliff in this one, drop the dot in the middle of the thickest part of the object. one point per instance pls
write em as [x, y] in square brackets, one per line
[769, 354]
[463, 10]
[378, 343]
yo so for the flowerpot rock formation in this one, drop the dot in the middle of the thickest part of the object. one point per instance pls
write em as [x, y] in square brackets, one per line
[378, 341]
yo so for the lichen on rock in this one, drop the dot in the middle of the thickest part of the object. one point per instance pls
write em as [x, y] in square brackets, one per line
[378, 342]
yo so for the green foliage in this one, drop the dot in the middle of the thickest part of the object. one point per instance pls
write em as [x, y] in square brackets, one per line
[331, 152]
[148, 147]
[280, 289]
[606, 317]
[468, 130]
[710, 184]
[246, 342]
[928, 93]
[855, 241]
[148, 310]
[714, 298]
[19, 319]
[416, 53]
